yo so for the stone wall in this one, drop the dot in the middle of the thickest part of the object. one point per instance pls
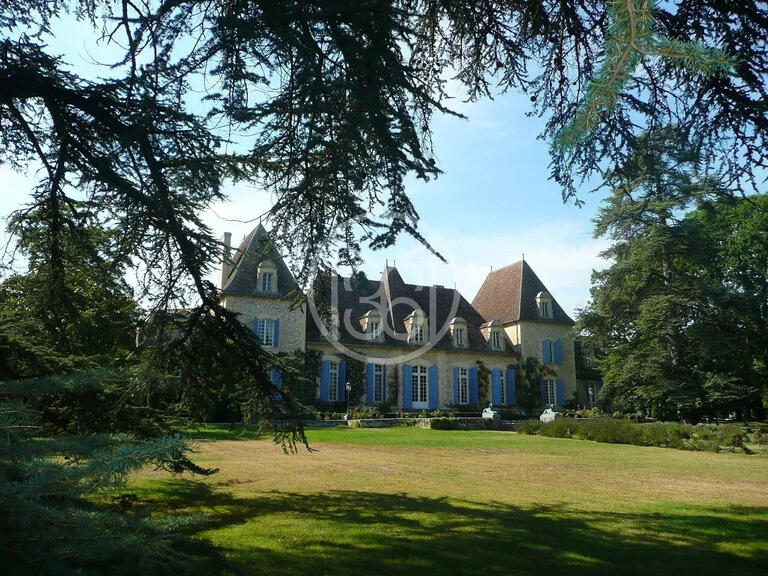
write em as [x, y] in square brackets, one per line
[530, 334]
[292, 322]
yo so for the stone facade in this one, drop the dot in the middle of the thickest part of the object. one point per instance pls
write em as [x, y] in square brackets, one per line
[506, 323]
[530, 335]
[292, 335]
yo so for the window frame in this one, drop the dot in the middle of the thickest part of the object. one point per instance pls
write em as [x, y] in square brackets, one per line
[267, 282]
[378, 373]
[261, 333]
[419, 373]
[496, 340]
[418, 332]
[333, 381]
[459, 336]
[463, 386]
[502, 383]
[550, 388]
[374, 329]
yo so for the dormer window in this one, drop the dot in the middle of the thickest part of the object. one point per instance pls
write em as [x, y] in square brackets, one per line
[371, 325]
[415, 324]
[544, 304]
[266, 281]
[493, 332]
[459, 332]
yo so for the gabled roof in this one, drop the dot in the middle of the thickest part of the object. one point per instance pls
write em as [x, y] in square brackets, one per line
[255, 248]
[509, 295]
[396, 298]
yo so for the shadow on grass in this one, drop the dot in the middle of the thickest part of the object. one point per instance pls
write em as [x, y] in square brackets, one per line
[349, 532]
[224, 432]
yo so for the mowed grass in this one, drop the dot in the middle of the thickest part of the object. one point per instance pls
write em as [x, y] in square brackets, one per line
[411, 501]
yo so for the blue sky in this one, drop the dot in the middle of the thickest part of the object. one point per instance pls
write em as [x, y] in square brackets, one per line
[493, 202]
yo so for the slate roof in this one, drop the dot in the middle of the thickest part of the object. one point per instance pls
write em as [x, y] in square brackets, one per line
[396, 298]
[509, 295]
[255, 248]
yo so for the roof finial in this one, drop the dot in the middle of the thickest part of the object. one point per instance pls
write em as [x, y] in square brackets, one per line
[387, 263]
[523, 256]
[491, 267]
[394, 263]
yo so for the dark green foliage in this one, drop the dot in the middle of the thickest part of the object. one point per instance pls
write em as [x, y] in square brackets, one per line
[675, 322]
[528, 375]
[356, 377]
[706, 437]
[530, 427]
[49, 523]
[444, 423]
[483, 382]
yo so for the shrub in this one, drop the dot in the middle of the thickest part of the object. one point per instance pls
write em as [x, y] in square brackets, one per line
[444, 423]
[364, 412]
[705, 437]
[530, 427]
[666, 434]
[561, 428]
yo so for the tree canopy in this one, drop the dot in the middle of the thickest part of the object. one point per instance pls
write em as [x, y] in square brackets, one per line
[676, 314]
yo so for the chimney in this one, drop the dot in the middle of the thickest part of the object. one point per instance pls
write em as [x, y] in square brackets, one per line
[226, 258]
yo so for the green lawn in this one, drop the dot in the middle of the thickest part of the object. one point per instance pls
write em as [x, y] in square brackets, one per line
[405, 501]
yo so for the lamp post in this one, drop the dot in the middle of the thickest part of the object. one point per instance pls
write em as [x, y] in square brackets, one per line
[348, 388]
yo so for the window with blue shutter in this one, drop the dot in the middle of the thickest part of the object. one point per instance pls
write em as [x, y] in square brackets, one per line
[496, 386]
[511, 389]
[255, 328]
[434, 390]
[560, 398]
[342, 381]
[559, 352]
[546, 351]
[277, 332]
[473, 386]
[325, 380]
[369, 383]
[456, 399]
[407, 386]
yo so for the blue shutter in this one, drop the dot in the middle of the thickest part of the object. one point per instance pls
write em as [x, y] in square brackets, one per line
[325, 380]
[456, 385]
[560, 392]
[559, 352]
[473, 386]
[496, 386]
[511, 389]
[543, 392]
[256, 329]
[407, 385]
[546, 352]
[277, 332]
[369, 383]
[342, 381]
[434, 395]
[277, 380]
